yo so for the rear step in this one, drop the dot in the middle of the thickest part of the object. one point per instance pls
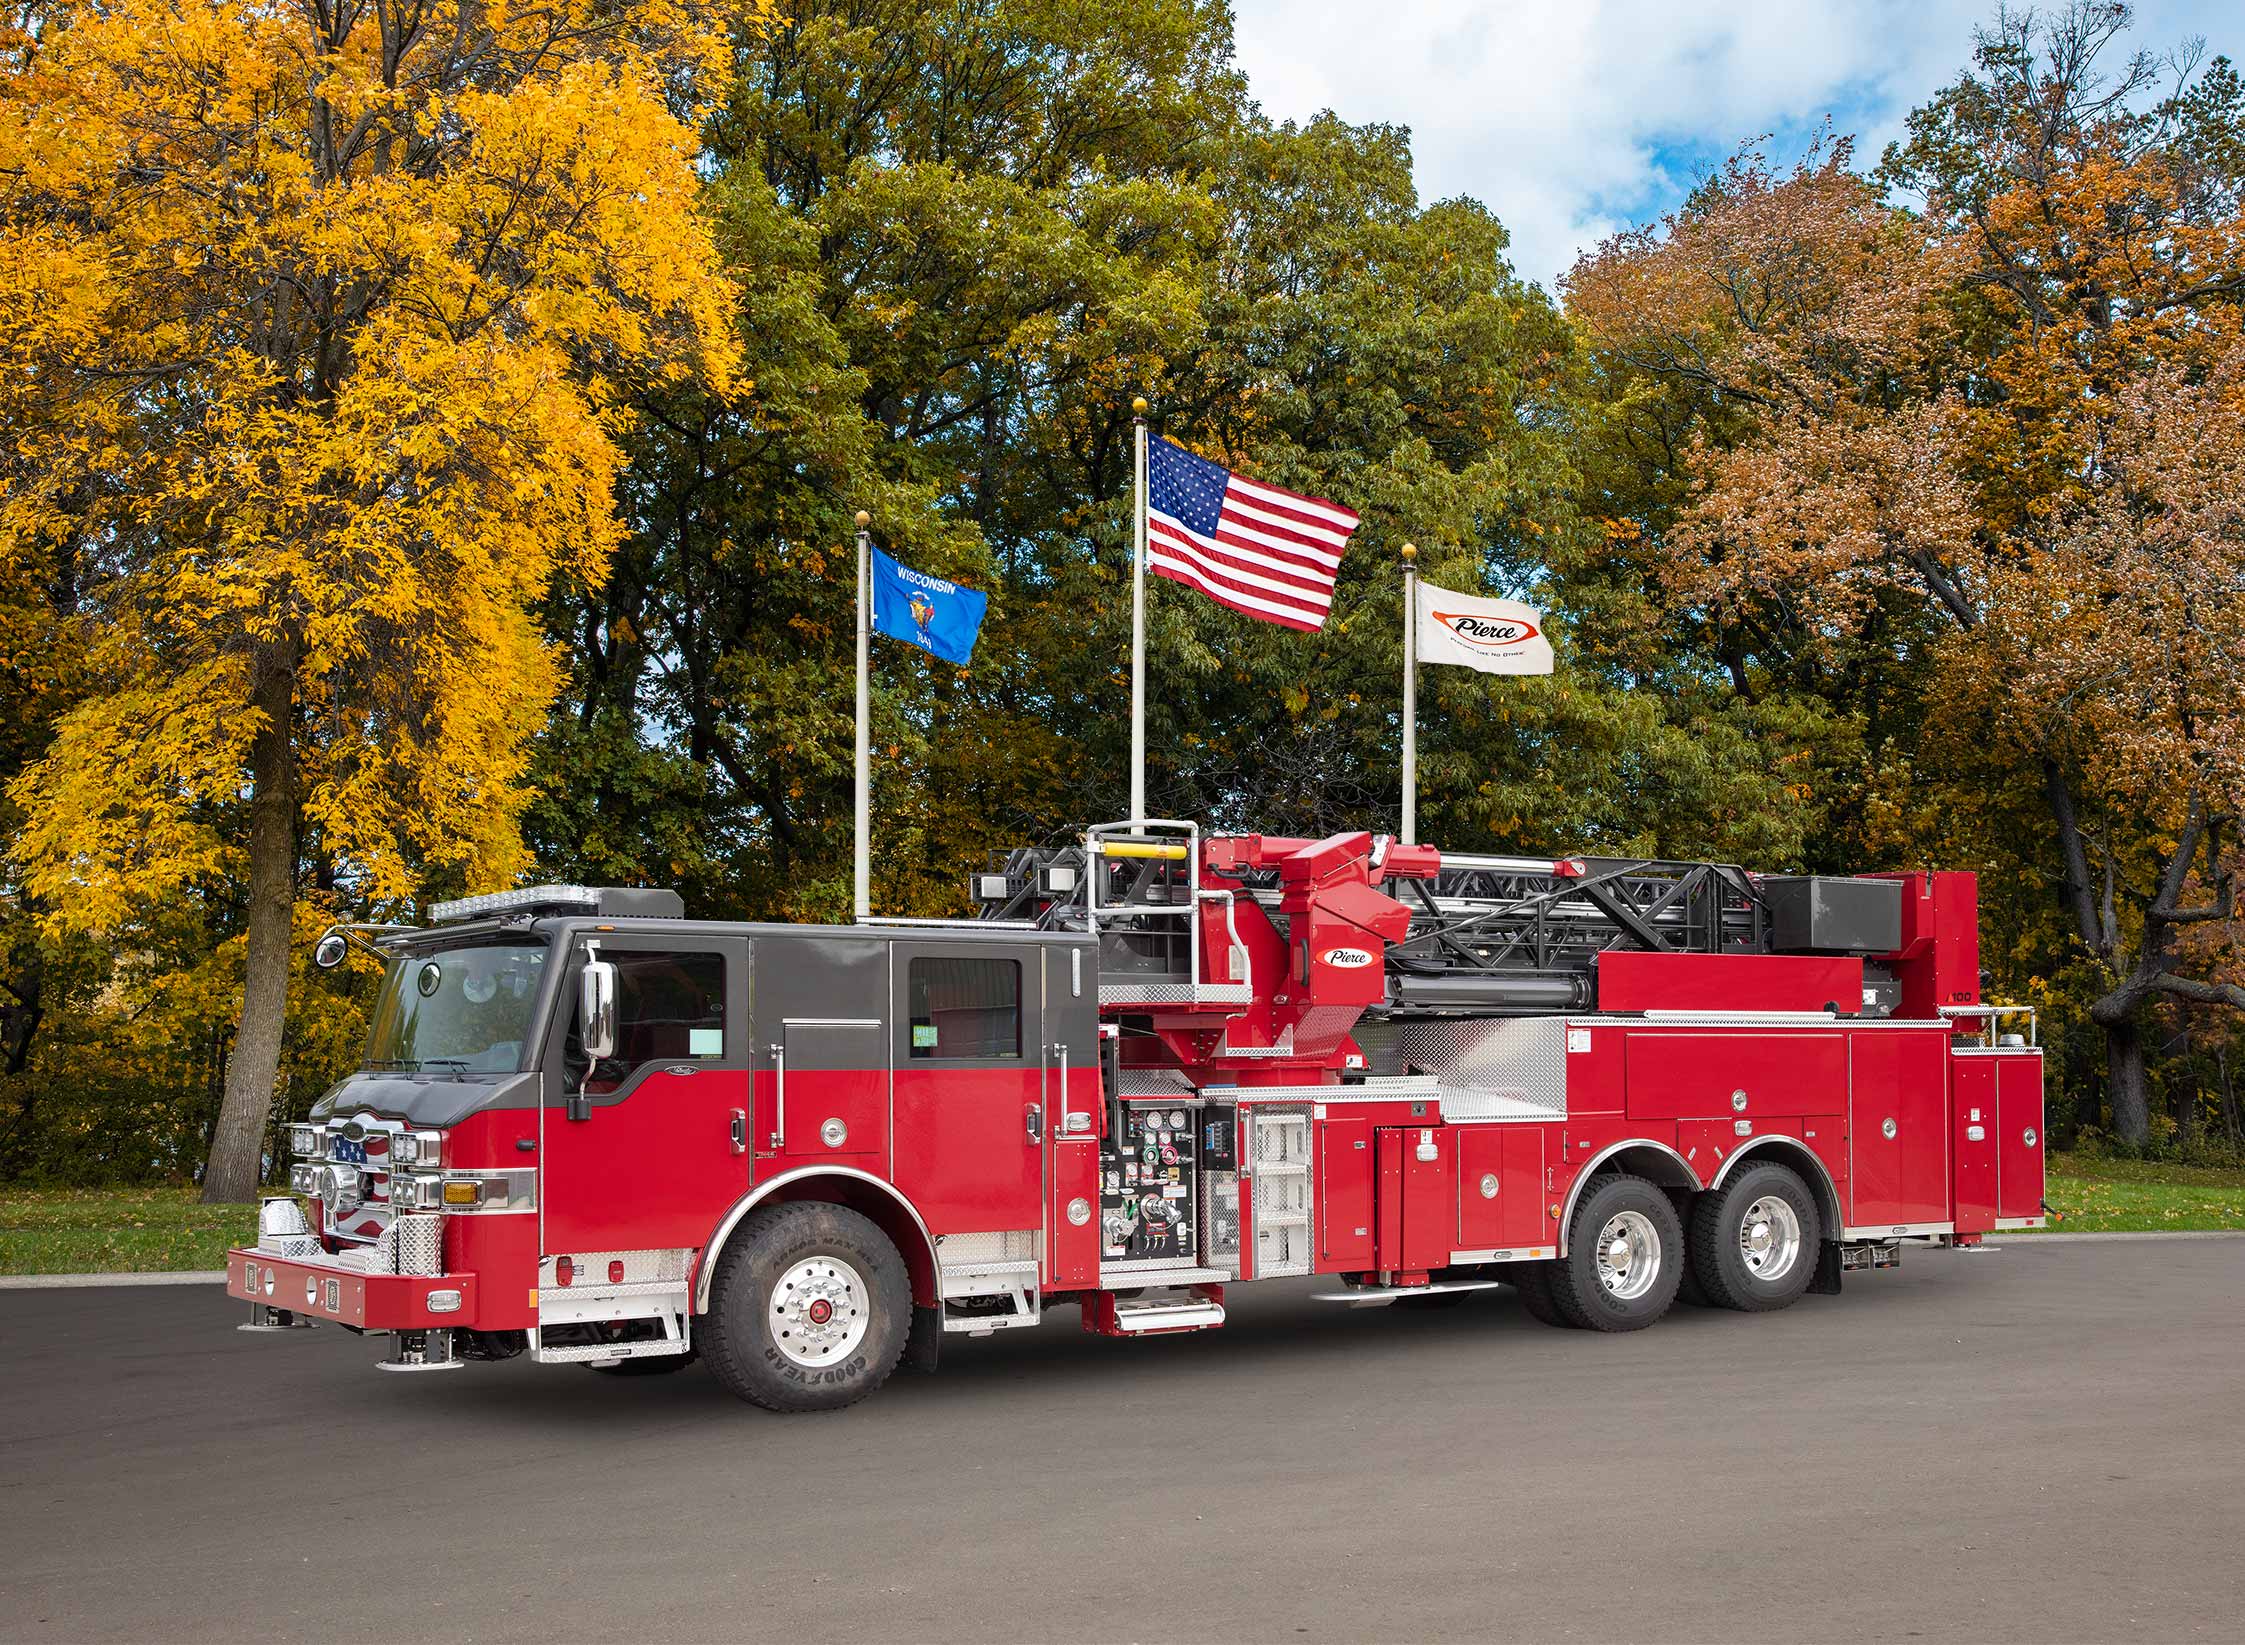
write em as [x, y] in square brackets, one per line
[1200, 1308]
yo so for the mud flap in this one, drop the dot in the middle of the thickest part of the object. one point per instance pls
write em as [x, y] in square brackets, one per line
[1827, 1280]
[926, 1338]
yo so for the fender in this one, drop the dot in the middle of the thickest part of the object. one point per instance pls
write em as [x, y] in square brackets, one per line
[1819, 1178]
[755, 1196]
[1689, 1178]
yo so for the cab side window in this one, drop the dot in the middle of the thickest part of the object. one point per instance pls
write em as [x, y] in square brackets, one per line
[669, 1008]
[963, 1009]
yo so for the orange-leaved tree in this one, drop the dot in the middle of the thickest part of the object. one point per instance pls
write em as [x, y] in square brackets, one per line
[2012, 420]
[318, 321]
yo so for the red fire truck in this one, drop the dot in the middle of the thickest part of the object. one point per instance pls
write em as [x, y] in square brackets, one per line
[1157, 1065]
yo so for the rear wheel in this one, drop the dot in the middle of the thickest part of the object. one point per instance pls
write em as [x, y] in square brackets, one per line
[1624, 1258]
[1754, 1244]
[809, 1309]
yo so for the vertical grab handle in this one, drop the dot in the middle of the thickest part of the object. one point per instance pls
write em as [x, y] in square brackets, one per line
[1060, 1125]
[779, 1095]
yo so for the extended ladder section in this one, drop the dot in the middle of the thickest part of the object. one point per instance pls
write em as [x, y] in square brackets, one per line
[1517, 934]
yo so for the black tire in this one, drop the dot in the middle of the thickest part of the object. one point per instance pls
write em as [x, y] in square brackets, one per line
[1720, 1261]
[1533, 1281]
[654, 1366]
[1688, 1288]
[750, 1314]
[1576, 1286]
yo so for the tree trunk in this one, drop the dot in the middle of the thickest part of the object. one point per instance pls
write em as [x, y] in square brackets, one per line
[2124, 1081]
[237, 1164]
[2229, 1096]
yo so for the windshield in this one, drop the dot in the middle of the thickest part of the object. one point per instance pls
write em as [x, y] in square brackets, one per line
[466, 1010]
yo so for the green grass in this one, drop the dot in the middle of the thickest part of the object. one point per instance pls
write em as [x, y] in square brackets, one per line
[152, 1230]
[117, 1231]
[2099, 1195]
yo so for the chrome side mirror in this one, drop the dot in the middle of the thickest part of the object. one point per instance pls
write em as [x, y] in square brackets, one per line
[597, 1009]
[330, 950]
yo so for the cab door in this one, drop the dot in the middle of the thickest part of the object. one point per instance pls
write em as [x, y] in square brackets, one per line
[972, 1103]
[1074, 1115]
[646, 1149]
[821, 1057]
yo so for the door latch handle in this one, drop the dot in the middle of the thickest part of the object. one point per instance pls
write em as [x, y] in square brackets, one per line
[740, 1130]
[1036, 1119]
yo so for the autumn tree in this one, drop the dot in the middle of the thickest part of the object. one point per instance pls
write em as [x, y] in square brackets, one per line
[319, 323]
[1944, 448]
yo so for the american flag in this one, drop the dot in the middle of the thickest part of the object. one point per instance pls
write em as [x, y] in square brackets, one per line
[1270, 553]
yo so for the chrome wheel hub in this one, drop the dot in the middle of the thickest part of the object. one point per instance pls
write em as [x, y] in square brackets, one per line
[1769, 1237]
[820, 1309]
[1628, 1255]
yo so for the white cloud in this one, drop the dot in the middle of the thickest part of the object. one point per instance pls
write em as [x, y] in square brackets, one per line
[1570, 119]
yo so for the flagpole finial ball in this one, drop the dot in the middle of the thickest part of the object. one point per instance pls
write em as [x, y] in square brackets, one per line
[1410, 553]
[1138, 406]
[863, 519]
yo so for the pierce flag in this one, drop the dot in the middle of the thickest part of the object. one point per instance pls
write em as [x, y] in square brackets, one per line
[939, 617]
[1494, 636]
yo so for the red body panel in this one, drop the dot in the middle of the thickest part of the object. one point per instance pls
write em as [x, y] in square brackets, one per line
[1972, 1140]
[964, 1154]
[1899, 1075]
[1939, 961]
[1701, 1075]
[1515, 1215]
[656, 1169]
[2019, 1160]
[1343, 1195]
[1632, 981]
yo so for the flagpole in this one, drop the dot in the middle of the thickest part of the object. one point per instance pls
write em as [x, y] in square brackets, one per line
[1410, 695]
[1138, 618]
[863, 884]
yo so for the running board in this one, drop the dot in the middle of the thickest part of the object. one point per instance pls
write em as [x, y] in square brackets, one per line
[1379, 1296]
[1201, 1308]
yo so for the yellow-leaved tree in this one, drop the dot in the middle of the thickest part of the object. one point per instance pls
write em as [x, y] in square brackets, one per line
[317, 323]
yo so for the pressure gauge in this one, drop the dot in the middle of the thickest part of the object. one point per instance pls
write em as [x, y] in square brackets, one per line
[1177, 1120]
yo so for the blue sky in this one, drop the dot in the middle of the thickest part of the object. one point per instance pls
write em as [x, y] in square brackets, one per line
[1572, 118]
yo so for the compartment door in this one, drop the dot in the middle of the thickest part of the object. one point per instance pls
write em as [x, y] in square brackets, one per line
[1501, 1203]
[2019, 1141]
[1898, 1128]
[1973, 1134]
[1344, 1195]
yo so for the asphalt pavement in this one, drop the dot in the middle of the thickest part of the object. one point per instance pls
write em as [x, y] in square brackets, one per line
[2044, 1443]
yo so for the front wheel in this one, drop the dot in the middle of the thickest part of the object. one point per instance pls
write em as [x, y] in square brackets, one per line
[1754, 1244]
[1624, 1260]
[809, 1309]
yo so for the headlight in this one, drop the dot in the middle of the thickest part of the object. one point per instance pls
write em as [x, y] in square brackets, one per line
[304, 1179]
[415, 1193]
[422, 1148]
[307, 1141]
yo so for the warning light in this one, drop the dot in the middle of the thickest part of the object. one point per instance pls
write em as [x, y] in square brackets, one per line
[565, 1271]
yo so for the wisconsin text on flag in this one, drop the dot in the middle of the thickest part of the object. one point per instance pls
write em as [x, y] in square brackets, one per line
[1270, 553]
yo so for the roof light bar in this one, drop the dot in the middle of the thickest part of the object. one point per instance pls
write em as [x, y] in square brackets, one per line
[508, 902]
